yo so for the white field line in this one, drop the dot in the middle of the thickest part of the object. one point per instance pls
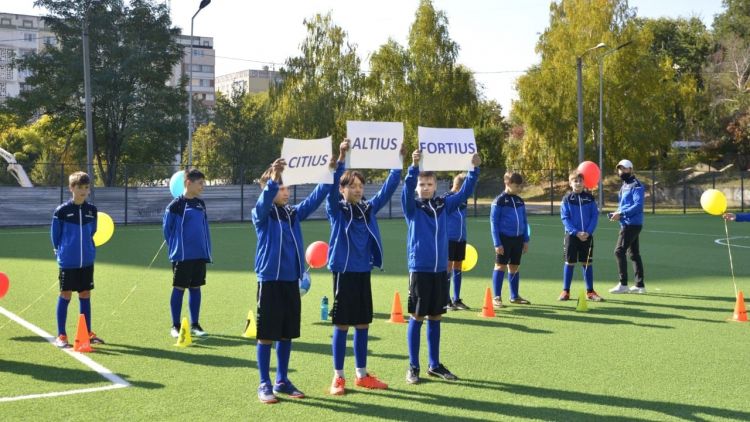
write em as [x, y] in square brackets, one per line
[116, 381]
[723, 241]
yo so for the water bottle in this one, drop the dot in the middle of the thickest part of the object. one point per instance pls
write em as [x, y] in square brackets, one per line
[324, 309]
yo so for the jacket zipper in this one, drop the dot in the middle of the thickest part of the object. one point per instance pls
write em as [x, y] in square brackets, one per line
[434, 213]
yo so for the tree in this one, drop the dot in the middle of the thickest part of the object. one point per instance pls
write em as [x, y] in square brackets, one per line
[136, 117]
[321, 88]
[639, 89]
[238, 139]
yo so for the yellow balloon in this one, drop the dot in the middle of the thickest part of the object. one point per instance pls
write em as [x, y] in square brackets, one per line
[105, 227]
[714, 202]
[471, 258]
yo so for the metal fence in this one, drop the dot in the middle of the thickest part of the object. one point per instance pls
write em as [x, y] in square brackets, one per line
[139, 194]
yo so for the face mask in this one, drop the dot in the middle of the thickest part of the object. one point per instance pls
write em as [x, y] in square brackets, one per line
[625, 176]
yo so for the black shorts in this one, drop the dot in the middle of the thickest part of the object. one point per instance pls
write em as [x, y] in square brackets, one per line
[352, 298]
[279, 310]
[574, 250]
[76, 279]
[428, 293]
[512, 250]
[189, 273]
[456, 250]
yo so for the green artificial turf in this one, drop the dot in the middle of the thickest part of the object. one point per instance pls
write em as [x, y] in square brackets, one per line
[666, 355]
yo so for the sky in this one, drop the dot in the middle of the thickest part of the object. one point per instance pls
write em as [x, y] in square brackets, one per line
[496, 37]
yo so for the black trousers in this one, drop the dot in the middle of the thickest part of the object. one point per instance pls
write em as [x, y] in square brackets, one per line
[628, 241]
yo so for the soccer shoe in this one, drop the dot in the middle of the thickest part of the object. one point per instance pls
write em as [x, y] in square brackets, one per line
[175, 331]
[371, 382]
[265, 394]
[197, 330]
[620, 288]
[497, 302]
[520, 301]
[337, 386]
[459, 305]
[564, 295]
[451, 306]
[594, 297]
[286, 387]
[62, 341]
[412, 375]
[638, 290]
[93, 339]
[442, 372]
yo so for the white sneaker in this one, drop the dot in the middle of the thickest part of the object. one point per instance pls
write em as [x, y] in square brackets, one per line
[197, 331]
[619, 289]
[174, 332]
[638, 290]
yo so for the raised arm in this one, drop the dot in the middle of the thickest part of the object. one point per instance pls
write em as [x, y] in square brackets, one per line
[386, 191]
[467, 189]
[410, 185]
[334, 196]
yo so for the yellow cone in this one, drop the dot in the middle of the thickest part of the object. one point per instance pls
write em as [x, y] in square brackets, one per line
[582, 305]
[251, 330]
[184, 339]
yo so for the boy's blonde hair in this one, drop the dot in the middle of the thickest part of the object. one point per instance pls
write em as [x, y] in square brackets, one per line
[79, 178]
[265, 177]
[574, 175]
[458, 181]
[512, 177]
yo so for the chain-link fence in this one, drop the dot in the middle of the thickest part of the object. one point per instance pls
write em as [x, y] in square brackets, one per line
[139, 193]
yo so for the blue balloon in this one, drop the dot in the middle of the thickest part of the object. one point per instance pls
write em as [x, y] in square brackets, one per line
[528, 229]
[177, 184]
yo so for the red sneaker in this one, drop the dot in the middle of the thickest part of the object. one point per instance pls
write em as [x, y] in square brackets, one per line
[337, 386]
[371, 382]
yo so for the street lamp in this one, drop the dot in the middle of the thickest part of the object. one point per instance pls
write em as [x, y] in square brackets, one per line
[87, 97]
[601, 125]
[579, 80]
[203, 4]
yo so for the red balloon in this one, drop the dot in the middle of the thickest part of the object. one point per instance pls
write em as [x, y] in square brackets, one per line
[591, 174]
[4, 284]
[317, 254]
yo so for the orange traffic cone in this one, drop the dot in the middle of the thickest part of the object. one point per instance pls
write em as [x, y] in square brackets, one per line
[488, 311]
[740, 314]
[82, 343]
[397, 315]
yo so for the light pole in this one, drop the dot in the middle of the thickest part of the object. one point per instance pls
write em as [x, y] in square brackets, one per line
[87, 97]
[601, 125]
[203, 4]
[579, 82]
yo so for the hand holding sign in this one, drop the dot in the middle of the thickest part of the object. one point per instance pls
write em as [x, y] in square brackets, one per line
[476, 160]
[277, 168]
[416, 157]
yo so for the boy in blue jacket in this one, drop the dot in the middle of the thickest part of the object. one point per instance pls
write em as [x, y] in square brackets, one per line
[354, 249]
[579, 215]
[510, 236]
[279, 266]
[457, 244]
[427, 253]
[185, 227]
[72, 232]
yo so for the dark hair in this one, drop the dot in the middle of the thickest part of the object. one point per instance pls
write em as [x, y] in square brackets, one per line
[512, 177]
[193, 175]
[428, 174]
[78, 178]
[348, 178]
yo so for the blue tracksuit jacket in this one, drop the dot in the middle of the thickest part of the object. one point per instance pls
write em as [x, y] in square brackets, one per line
[508, 218]
[457, 221]
[342, 215]
[279, 254]
[185, 227]
[427, 220]
[72, 231]
[631, 202]
[579, 213]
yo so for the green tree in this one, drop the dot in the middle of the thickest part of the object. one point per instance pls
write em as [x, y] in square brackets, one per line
[237, 140]
[639, 89]
[320, 88]
[136, 117]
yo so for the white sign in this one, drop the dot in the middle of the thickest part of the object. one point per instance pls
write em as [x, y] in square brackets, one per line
[374, 145]
[446, 149]
[307, 161]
